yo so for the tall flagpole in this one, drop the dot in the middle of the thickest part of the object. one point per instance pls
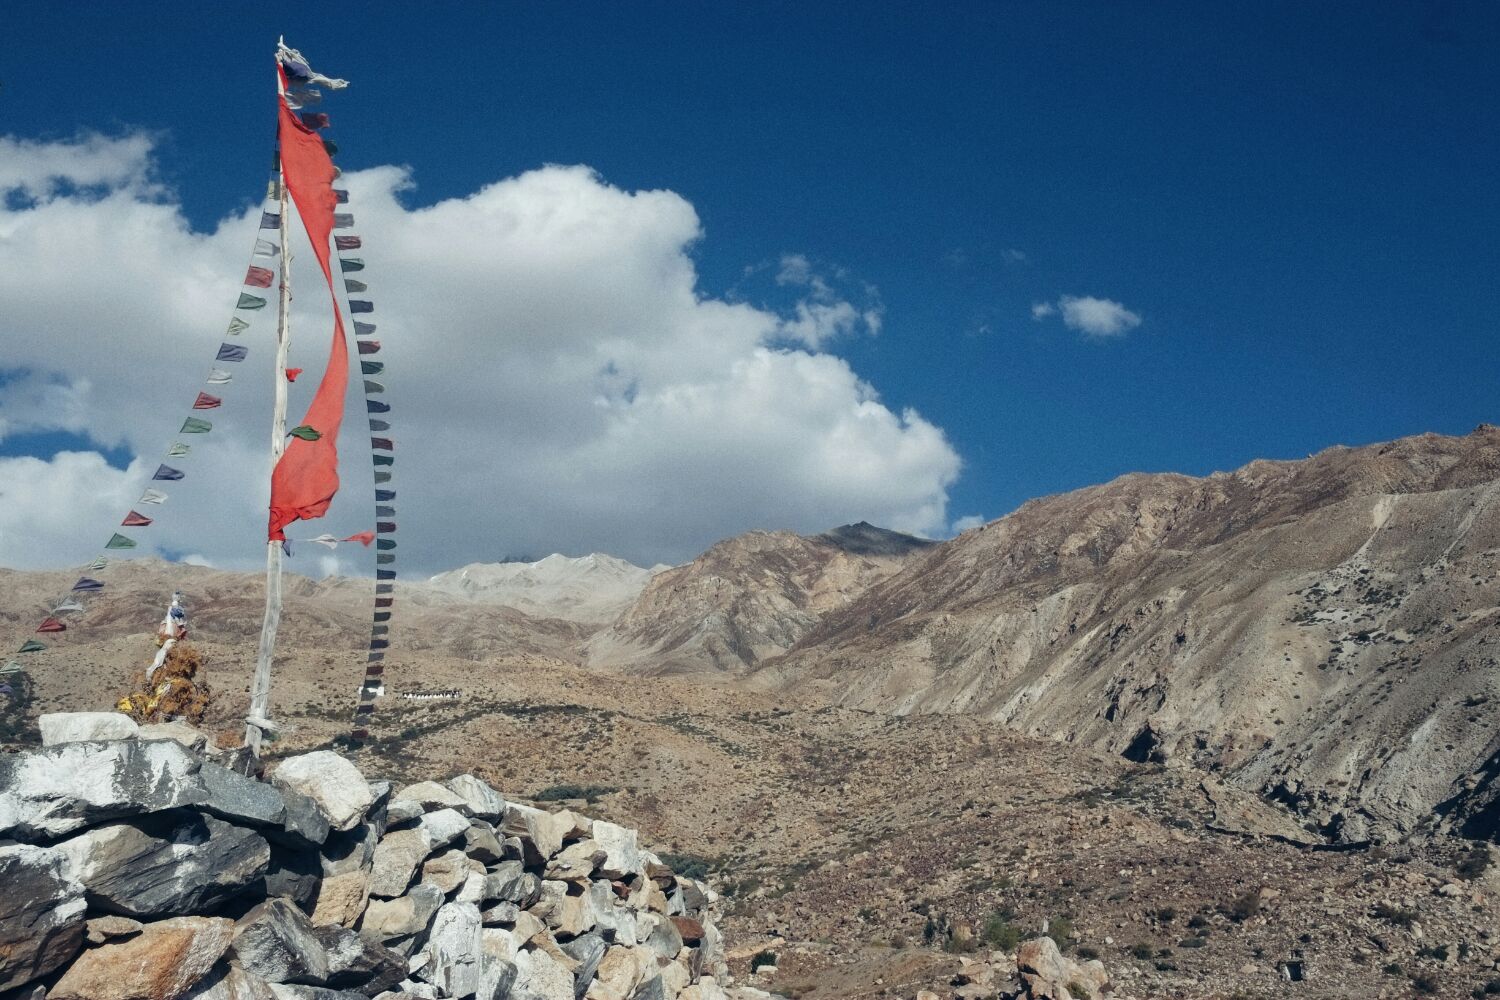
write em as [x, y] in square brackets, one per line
[260, 689]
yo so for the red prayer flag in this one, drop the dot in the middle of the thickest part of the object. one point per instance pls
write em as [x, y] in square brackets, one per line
[206, 402]
[259, 277]
[307, 477]
[364, 538]
[292, 373]
[52, 625]
[134, 520]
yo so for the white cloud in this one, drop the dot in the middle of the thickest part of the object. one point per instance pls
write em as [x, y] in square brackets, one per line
[558, 380]
[1095, 318]
[963, 524]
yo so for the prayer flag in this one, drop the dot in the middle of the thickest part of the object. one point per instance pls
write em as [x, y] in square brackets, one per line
[31, 646]
[206, 402]
[376, 406]
[270, 220]
[195, 425]
[237, 326]
[371, 367]
[265, 248]
[167, 472]
[350, 285]
[361, 306]
[218, 376]
[135, 520]
[232, 352]
[153, 496]
[383, 444]
[177, 449]
[119, 541]
[248, 301]
[347, 264]
[364, 538]
[50, 624]
[259, 277]
[363, 329]
[292, 373]
[86, 585]
[346, 242]
[305, 432]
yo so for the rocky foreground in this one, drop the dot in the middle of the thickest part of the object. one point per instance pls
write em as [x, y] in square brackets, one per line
[139, 863]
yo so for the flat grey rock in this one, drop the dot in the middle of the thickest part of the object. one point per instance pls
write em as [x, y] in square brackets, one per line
[41, 914]
[56, 790]
[164, 864]
[239, 799]
[276, 942]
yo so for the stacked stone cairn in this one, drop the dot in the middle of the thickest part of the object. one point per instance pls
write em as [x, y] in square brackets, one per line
[137, 866]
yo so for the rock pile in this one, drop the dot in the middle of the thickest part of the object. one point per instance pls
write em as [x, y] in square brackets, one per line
[141, 868]
[1036, 971]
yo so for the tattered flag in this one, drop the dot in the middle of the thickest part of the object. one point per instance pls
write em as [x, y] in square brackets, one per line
[364, 538]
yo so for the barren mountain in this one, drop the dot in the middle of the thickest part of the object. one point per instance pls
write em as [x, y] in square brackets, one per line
[1322, 632]
[593, 589]
[746, 598]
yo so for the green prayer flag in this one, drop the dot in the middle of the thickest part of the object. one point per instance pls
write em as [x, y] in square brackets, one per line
[99, 563]
[195, 425]
[248, 301]
[119, 541]
[177, 450]
[305, 432]
[11, 668]
[31, 646]
[237, 326]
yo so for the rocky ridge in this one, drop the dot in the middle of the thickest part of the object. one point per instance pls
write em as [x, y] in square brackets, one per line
[1319, 632]
[150, 868]
[747, 598]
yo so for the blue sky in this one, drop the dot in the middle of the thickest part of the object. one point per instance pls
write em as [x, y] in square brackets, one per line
[1298, 201]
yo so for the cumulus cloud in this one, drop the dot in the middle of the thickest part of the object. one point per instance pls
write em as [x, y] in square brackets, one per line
[559, 380]
[1095, 318]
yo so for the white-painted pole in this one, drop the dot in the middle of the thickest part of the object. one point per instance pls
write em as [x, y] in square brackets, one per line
[260, 688]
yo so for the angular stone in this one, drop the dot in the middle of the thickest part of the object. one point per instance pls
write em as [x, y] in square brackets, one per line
[444, 826]
[227, 981]
[162, 962]
[195, 740]
[306, 822]
[541, 832]
[500, 913]
[623, 969]
[617, 922]
[341, 899]
[622, 851]
[109, 928]
[665, 940]
[690, 929]
[497, 978]
[472, 890]
[447, 871]
[80, 727]
[675, 977]
[276, 942]
[41, 913]
[510, 881]
[350, 850]
[396, 859]
[431, 796]
[456, 947]
[652, 988]
[172, 862]
[57, 790]
[588, 951]
[527, 927]
[335, 785]
[355, 963]
[239, 799]
[482, 800]
[499, 943]
[576, 862]
[404, 811]
[388, 920]
[540, 977]
[481, 844]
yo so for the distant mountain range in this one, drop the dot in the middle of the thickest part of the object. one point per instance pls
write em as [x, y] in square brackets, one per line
[1322, 632]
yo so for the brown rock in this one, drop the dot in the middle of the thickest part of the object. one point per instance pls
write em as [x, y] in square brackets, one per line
[341, 899]
[690, 929]
[165, 960]
[107, 928]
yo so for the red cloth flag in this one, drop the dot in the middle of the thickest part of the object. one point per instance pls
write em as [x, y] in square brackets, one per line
[292, 373]
[206, 402]
[134, 520]
[307, 477]
[364, 538]
[259, 277]
[52, 625]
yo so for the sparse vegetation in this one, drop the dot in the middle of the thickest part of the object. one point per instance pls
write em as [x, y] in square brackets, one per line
[560, 793]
